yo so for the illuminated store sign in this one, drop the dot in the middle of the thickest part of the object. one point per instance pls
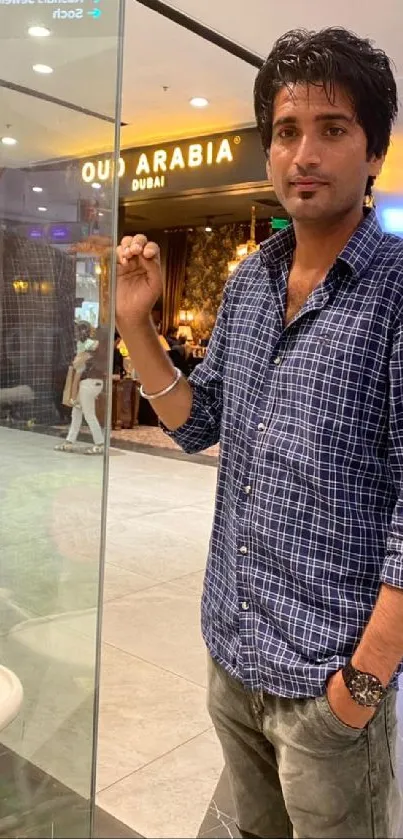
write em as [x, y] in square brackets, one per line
[152, 168]
[199, 163]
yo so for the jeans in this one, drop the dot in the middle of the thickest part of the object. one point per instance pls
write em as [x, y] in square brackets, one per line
[88, 392]
[297, 770]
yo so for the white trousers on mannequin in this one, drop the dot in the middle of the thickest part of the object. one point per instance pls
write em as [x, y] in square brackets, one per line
[88, 392]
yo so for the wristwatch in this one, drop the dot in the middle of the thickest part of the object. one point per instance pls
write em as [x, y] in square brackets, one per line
[365, 689]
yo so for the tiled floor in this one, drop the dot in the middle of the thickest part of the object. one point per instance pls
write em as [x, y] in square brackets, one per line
[159, 764]
[158, 759]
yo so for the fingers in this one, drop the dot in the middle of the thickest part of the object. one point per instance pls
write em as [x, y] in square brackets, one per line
[151, 251]
[136, 246]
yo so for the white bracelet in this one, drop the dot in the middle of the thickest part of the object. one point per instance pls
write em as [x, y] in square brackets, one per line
[152, 396]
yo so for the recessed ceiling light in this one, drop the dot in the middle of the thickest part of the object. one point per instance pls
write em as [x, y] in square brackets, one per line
[37, 189]
[96, 185]
[43, 68]
[42, 209]
[199, 102]
[9, 141]
[38, 31]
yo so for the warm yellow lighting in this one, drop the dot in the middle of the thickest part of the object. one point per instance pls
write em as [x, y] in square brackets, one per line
[162, 161]
[391, 178]
[232, 266]
[186, 316]
[185, 331]
[123, 349]
[98, 269]
[164, 343]
[246, 248]
[20, 286]
[242, 251]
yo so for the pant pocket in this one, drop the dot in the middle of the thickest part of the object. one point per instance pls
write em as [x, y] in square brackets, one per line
[333, 724]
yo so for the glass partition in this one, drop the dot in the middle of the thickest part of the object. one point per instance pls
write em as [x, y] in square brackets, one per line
[60, 99]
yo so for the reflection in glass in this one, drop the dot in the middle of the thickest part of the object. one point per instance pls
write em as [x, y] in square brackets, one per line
[56, 238]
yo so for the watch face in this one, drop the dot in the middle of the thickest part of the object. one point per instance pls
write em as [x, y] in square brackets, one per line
[366, 689]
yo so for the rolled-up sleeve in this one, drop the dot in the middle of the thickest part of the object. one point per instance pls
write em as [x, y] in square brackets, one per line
[392, 571]
[202, 429]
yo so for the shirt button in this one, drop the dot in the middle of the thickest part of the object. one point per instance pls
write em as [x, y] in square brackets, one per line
[277, 360]
[261, 426]
[245, 606]
[243, 550]
[247, 490]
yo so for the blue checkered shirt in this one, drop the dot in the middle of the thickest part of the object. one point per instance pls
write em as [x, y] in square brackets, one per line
[309, 509]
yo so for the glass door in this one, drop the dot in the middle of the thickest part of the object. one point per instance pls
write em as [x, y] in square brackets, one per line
[60, 83]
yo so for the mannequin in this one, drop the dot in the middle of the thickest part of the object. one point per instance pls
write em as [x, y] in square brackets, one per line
[89, 364]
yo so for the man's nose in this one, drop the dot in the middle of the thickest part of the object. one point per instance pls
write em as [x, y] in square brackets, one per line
[307, 154]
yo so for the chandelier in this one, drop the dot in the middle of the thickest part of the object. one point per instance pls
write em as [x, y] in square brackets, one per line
[246, 248]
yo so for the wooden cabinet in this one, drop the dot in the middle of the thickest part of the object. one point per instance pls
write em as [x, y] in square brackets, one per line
[125, 403]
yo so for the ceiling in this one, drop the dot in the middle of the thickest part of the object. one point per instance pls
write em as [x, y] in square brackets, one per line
[261, 22]
[203, 69]
[158, 54]
[163, 67]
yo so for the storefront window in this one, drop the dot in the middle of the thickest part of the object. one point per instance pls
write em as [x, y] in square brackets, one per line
[60, 99]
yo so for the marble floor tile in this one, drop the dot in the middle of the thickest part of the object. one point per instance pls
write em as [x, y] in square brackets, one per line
[145, 712]
[191, 582]
[106, 827]
[222, 831]
[168, 798]
[188, 521]
[119, 582]
[164, 482]
[220, 817]
[160, 625]
[163, 546]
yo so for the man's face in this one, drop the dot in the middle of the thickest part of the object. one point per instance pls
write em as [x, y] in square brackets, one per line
[318, 156]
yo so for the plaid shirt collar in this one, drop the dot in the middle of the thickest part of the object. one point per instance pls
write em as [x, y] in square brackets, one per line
[357, 254]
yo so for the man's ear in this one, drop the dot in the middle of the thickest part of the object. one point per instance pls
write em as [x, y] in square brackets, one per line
[375, 165]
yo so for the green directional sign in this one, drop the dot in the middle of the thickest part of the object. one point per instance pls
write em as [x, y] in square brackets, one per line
[279, 223]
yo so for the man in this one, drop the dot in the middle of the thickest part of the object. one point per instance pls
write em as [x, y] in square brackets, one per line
[303, 386]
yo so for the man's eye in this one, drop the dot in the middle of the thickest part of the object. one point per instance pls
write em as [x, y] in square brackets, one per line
[335, 131]
[286, 133]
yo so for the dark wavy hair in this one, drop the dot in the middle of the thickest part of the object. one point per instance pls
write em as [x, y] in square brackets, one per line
[331, 57]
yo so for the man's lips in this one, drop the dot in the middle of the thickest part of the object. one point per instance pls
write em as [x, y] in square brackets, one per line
[307, 184]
